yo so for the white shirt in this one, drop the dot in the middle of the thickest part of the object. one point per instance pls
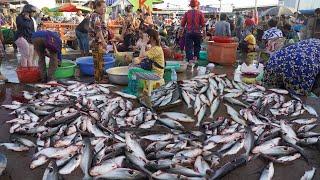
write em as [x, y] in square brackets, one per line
[34, 24]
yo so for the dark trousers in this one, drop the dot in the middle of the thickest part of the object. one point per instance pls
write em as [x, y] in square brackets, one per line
[40, 49]
[193, 45]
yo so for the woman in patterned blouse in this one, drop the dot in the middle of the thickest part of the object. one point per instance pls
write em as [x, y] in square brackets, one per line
[99, 35]
[295, 68]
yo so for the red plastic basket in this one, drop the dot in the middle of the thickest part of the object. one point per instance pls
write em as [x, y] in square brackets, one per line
[28, 74]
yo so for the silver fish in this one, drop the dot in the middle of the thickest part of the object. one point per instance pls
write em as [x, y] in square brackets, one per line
[123, 173]
[71, 165]
[278, 150]
[178, 116]
[51, 172]
[186, 98]
[214, 107]
[38, 161]
[107, 166]
[267, 145]
[160, 175]
[86, 159]
[289, 158]
[201, 166]
[308, 175]
[15, 147]
[201, 115]
[310, 110]
[279, 91]
[305, 121]
[129, 96]
[268, 172]
[171, 123]
[158, 137]
[197, 105]
[184, 171]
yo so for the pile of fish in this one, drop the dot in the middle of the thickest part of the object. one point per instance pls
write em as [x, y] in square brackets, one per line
[110, 136]
[166, 95]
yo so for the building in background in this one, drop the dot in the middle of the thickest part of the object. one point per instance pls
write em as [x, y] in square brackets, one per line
[302, 4]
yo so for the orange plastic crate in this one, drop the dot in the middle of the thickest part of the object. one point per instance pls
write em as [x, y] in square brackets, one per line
[222, 53]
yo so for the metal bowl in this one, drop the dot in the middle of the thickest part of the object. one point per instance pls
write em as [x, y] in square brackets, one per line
[118, 75]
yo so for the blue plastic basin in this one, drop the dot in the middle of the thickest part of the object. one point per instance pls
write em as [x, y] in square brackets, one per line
[86, 64]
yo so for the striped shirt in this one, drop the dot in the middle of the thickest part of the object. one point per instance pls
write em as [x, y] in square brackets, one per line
[193, 20]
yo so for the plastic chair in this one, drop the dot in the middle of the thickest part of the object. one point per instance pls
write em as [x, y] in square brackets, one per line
[150, 85]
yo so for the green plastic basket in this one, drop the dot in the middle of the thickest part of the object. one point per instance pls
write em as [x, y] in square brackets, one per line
[203, 55]
[66, 69]
[202, 62]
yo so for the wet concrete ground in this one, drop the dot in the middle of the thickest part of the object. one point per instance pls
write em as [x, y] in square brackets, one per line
[18, 162]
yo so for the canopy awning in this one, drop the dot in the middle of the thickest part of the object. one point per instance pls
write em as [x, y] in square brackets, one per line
[69, 7]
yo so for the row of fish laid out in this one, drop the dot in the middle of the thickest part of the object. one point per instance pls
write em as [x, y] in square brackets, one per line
[84, 125]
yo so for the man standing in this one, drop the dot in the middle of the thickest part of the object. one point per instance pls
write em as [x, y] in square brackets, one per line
[193, 23]
[223, 27]
[239, 25]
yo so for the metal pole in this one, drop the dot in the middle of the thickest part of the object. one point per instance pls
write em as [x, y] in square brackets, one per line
[298, 7]
[220, 10]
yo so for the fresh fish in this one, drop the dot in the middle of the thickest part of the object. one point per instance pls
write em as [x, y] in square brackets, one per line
[15, 147]
[289, 158]
[201, 166]
[193, 153]
[235, 101]
[235, 148]
[197, 105]
[308, 175]
[158, 137]
[267, 145]
[214, 107]
[278, 150]
[148, 124]
[86, 159]
[123, 173]
[134, 147]
[248, 141]
[288, 131]
[279, 91]
[235, 115]
[51, 172]
[177, 169]
[24, 141]
[305, 121]
[201, 115]
[178, 116]
[268, 172]
[307, 127]
[57, 152]
[160, 175]
[38, 161]
[71, 165]
[107, 166]
[171, 123]
[3, 163]
[204, 99]
[310, 110]
[186, 98]
[129, 96]
[228, 167]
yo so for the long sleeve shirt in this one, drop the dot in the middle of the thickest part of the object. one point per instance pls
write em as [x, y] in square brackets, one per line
[25, 28]
[194, 21]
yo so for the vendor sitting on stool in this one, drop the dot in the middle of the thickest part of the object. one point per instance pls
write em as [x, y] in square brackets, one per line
[47, 43]
[155, 53]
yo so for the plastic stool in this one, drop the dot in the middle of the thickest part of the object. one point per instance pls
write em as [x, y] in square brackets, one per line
[149, 85]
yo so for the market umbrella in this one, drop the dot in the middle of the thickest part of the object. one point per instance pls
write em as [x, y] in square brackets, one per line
[69, 7]
[278, 11]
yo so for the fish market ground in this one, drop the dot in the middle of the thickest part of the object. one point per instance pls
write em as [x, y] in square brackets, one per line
[18, 163]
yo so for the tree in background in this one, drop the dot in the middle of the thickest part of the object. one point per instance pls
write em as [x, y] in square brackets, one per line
[46, 11]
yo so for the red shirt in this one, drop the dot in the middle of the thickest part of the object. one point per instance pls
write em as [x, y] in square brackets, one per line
[193, 20]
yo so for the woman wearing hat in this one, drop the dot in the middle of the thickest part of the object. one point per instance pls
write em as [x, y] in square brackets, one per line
[193, 23]
[25, 28]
